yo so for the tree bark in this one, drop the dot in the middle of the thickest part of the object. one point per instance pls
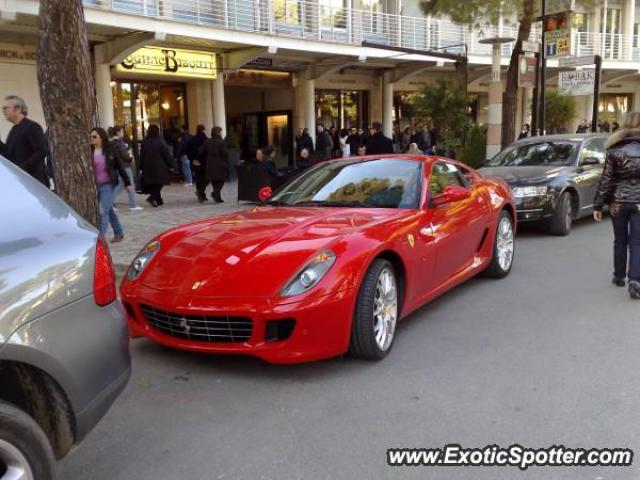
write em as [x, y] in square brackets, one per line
[68, 98]
[510, 96]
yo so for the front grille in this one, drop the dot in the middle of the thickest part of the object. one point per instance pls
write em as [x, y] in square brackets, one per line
[200, 328]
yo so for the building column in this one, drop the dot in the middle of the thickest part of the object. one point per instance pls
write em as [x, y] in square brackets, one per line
[588, 110]
[387, 105]
[104, 95]
[203, 103]
[494, 121]
[308, 99]
[375, 102]
[629, 21]
[219, 111]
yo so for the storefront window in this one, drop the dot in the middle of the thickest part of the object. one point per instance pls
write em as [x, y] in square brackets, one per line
[403, 113]
[341, 108]
[612, 106]
[139, 105]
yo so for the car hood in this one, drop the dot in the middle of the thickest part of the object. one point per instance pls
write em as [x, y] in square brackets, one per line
[252, 252]
[525, 175]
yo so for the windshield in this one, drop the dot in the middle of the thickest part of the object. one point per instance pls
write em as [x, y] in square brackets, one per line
[380, 183]
[533, 154]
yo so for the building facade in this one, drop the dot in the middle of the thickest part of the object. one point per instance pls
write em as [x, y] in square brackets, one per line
[265, 68]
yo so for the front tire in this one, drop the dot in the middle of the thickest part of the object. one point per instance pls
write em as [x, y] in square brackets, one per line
[562, 218]
[25, 451]
[503, 248]
[376, 315]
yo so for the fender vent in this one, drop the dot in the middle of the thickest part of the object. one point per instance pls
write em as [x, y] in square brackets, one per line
[485, 234]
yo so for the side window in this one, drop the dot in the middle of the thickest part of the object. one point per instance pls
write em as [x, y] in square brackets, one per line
[593, 148]
[444, 175]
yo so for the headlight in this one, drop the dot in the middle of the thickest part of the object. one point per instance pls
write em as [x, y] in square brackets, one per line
[520, 192]
[311, 274]
[143, 259]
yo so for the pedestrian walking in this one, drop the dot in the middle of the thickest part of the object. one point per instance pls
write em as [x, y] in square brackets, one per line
[324, 143]
[413, 149]
[183, 156]
[524, 133]
[422, 139]
[156, 164]
[378, 143]
[356, 140]
[116, 138]
[620, 188]
[405, 139]
[198, 163]
[345, 148]
[303, 141]
[304, 160]
[26, 144]
[217, 165]
[107, 170]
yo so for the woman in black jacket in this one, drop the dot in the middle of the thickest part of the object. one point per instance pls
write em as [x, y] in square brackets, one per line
[620, 189]
[156, 163]
[106, 168]
[216, 159]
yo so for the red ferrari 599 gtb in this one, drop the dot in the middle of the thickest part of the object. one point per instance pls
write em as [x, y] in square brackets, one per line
[328, 265]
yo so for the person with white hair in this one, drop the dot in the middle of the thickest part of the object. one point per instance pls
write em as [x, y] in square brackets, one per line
[620, 189]
[26, 144]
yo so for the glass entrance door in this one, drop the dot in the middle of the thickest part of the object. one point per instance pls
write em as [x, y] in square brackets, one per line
[137, 105]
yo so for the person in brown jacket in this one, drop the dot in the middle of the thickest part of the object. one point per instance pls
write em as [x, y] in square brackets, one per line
[216, 159]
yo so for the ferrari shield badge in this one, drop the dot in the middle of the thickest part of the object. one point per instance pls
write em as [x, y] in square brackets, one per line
[412, 241]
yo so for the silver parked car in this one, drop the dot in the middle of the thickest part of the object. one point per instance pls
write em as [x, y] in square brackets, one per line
[64, 345]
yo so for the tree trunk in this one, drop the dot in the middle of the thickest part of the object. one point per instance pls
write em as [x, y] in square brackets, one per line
[68, 99]
[510, 96]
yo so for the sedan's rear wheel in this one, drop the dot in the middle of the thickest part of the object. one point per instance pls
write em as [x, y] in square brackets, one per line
[25, 453]
[374, 322]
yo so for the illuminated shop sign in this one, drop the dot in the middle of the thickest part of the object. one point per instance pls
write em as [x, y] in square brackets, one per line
[170, 61]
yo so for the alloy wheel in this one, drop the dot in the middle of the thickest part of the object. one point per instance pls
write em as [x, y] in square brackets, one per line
[385, 310]
[504, 243]
[14, 463]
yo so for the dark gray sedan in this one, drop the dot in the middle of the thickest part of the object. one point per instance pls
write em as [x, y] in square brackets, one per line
[64, 345]
[554, 177]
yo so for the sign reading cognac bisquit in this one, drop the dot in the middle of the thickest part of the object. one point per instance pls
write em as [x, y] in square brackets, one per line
[170, 62]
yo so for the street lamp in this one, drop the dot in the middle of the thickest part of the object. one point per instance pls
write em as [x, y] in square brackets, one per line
[494, 131]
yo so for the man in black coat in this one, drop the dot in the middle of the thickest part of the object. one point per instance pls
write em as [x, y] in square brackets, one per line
[198, 161]
[26, 144]
[378, 144]
[304, 140]
[324, 143]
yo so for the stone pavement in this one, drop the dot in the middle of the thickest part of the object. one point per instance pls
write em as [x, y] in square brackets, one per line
[180, 206]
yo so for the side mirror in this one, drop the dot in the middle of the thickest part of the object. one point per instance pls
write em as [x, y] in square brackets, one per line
[589, 161]
[452, 193]
[265, 194]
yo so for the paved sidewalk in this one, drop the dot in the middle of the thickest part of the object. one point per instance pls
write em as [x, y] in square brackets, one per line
[180, 206]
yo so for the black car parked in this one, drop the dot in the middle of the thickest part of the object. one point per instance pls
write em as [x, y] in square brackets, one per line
[554, 177]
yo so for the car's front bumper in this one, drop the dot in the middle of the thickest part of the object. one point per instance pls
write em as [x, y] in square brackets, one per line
[321, 330]
[534, 209]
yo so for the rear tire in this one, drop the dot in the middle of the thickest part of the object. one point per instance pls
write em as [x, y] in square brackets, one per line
[24, 446]
[374, 321]
[503, 248]
[562, 218]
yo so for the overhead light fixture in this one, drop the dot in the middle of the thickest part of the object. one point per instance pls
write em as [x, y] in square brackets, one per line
[160, 36]
[165, 105]
[440, 63]
[272, 49]
[362, 58]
